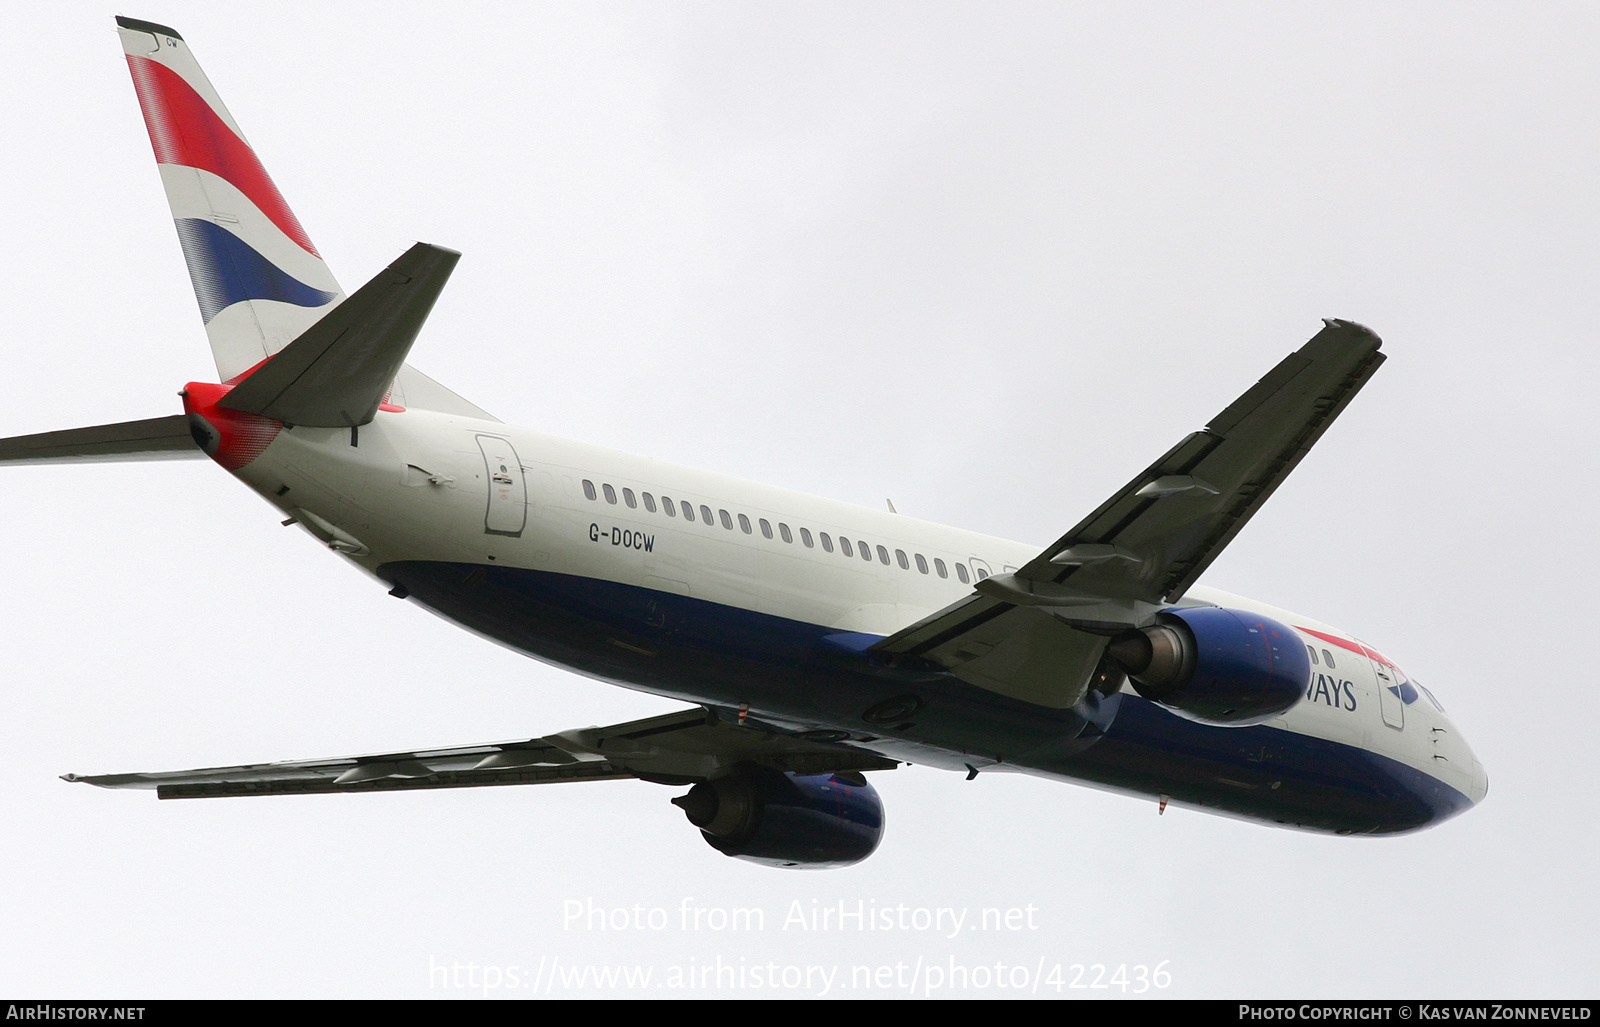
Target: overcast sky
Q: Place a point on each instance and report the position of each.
(987, 260)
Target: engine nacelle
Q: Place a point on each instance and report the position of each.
(787, 820)
(1215, 666)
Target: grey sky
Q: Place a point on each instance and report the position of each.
(987, 260)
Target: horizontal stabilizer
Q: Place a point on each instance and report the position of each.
(337, 373)
(155, 438)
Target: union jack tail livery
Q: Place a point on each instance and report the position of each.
(259, 280)
(262, 287)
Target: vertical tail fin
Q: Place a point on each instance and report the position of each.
(259, 280)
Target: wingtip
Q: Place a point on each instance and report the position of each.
(1353, 326)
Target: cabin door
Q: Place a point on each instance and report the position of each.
(507, 511)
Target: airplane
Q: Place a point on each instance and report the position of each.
(815, 641)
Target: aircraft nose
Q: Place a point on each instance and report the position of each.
(1480, 782)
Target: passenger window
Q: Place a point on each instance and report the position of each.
(900, 558)
(866, 553)
(688, 511)
(938, 565)
(588, 488)
(922, 563)
(649, 501)
(668, 508)
(844, 546)
(627, 497)
(705, 514)
(982, 574)
(1313, 653)
(744, 525)
(961, 572)
(727, 522)
(827, 543)
(766, 528)
(611, 494)
(1327, 656)
(783, 529)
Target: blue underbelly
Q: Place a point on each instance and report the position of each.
(791, 673)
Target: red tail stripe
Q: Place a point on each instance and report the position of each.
(185, 130)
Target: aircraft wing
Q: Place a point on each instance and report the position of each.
(679, 748)
(1038, 633)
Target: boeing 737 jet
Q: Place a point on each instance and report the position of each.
(817, 642)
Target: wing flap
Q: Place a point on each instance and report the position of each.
(1014, 650)
(443, 779)
(678, 748)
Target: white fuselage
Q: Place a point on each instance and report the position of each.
(419, 486)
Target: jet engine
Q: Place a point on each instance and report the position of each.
(787, 820)
(1215, 666)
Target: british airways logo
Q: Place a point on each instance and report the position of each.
(1338, 694)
